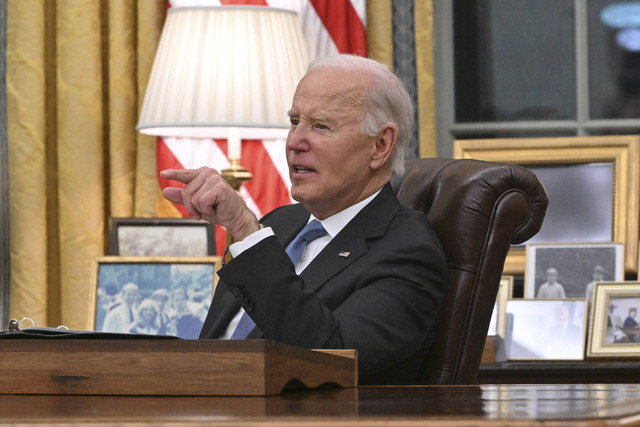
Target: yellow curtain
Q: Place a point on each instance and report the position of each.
(380, 46)
(76, 72)
(423, 24)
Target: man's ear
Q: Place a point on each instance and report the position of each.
(384, 143)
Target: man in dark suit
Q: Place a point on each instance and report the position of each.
(375, 278)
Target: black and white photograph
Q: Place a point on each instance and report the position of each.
(161, 237)
(615, 330)
(153, 296)
(556, 271)
(546, 329)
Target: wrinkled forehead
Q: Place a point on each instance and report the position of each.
(330, 91)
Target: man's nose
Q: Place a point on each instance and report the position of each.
(297, 139)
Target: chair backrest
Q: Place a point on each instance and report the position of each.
(478, 209)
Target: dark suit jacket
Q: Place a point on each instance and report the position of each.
(376, 287)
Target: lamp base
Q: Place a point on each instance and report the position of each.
(235, 174)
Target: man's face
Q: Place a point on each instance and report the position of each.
(179, 301)
(329, 159)
(160, 300)
(130, 296)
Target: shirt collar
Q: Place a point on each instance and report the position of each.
(336, 222)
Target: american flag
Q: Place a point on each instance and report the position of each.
(329, 27)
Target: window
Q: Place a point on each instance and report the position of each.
(526, 68)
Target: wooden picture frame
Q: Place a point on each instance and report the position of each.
(576, 267)
(498, 325)
(567, 157)
(161, 237)
(609, 335)
(180, 288)
(546, 329)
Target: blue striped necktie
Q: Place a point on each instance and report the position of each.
(309, 233)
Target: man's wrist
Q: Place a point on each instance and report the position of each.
(252, 239)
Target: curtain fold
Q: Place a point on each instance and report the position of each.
(76, 71)
(380, 31)
(151, 16)
(26, 132)
(423, 22)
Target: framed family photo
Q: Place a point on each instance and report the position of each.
(499, 316)
(152, 295)
(161, 237)
(593, 185)
(571, 270)
(546, 329)
(615, 330)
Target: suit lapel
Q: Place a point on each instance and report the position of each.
(351, 243)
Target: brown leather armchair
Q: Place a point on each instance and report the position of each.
(478, 209)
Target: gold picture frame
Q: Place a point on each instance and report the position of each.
(156, 279)
(498, 324)
(609, 335)
(622, 151)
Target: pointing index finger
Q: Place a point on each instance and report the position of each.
(181, 175)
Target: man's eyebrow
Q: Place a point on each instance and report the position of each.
(291, 113)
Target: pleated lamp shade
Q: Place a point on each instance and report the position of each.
(222, 68)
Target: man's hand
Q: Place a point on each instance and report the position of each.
(207, 195)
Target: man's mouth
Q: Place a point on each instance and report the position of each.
(302, 169)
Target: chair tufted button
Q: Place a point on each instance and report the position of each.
(236, 291)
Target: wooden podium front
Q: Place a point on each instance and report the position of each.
(167, 367)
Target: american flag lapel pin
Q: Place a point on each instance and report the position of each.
(344, 254)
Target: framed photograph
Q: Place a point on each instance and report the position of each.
(615, 330)
(571, 270)
(161, 237)
(152, 295)
(592, 182)
(498, 323)
(546, 329)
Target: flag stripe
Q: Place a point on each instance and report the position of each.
(344, 25)
(267, 189)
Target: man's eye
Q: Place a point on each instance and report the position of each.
(294, 122)
(321, 126)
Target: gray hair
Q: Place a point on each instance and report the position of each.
(387, 101)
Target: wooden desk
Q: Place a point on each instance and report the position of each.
(521, 405)
(558, 372)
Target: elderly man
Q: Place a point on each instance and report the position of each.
(373, 276)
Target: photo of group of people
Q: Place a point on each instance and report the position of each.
(153, 298)
(622, 323)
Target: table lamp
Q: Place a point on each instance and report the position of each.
(225, 72)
